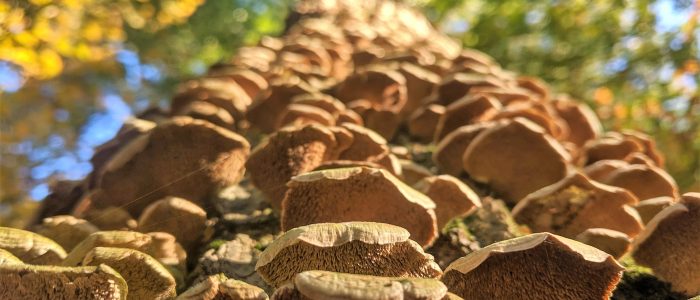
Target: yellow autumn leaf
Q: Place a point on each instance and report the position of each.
(26, 39)
(51, 63)
(92, 31)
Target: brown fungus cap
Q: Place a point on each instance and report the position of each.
(577, 203)
(452, 197)
(449, 151)
(160, 245)
(208, 112)
(669, 245)
(21, 282)
(420, 83)
(644, 181)
(66, 230)
(354, 247)
(320, 285)
(648, 208)
(610, 146)
(218, 287)
(300, 114)
(220, 91)
(179, 217)
(456, 86)
(466, 111)
(267, 108)
(30, 247)
(289, 152)
(366, 145)
(583, 124)
(183, 157)
(609, 241)
(8, 258)
(515, 158)
(536, 266)
(422, 124)
(358, 194)
(145, 276)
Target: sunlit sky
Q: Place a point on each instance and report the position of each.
(102, 125)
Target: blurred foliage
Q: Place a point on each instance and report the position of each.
(71, 55)
(616, 55)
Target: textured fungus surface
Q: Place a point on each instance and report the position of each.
(358, 194)
(537, 266)
(354, 247)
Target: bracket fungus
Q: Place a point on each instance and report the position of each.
(466, 111)
(353, 247)
(644, 181)
(536, 266)
(218, 287)
(358, 194)
(145, 276)
(423, 122)
(30, 247)
(179, 217)
(670, 242)
(290, 152)
(183, 157)
(21, 282)
(515, 158)
(648, 208)
(577, 203)
(448, 152)
(318, 285)
(583, 123)
(65, 230)
(609, 241)
(452, 197)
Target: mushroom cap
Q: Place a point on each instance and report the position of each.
(353, 247)
(532, 266)
(145, 276)
(220, 91)
(449, 151)
(420, 83)
(471, 109)
(452, 197)
(160, 245)
(333, 196)
(644, 181)
(289, 152)
(515, 158)
(458, 85)
(610, 146)
(21, 281)
(412, 172)
(183, 219)
(577, 203)
(331, 285)
(535, 85)
(609, 241)
(299, 114)
(648, 145)
(183, 157)
(648, 208)
(108, 218)
(601, 169)
(30, 247)
(583, 123)
(266, 110)
(423, 122)
(670, 242)
(8, 258)
(206, 111)
(220, 287)
(366, 144)
(66, 230)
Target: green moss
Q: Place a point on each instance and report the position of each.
(215, 244)
(493, 223)
(639, 282)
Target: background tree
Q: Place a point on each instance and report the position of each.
(72, 70)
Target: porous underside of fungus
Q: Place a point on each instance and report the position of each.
(537, 266)
(670, 242)
(145, 276)
(331, 285)
(183, 157)
(289, 152)
(355, 247)
(20, 282)
(179, 217)
(216, 287)
(358, 194)
(30, 247)
(575, 204)
(118, 239)
(452, 197)
(609, 241)
(66, 230)
(515, 159)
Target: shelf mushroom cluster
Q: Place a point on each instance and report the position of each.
(362, 155)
